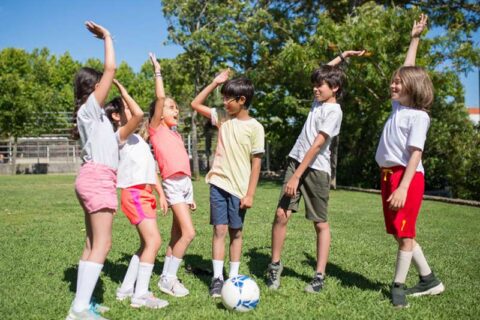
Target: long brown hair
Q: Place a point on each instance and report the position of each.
(417, 86)
(85, 81)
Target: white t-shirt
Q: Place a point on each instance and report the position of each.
(323, 117)
(136, 163)
(405, 127)
(99, 141)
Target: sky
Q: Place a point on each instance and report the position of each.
(138, 27)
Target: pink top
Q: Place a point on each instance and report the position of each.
(172, 158)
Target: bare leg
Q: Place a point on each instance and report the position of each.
(323, 244)
(279, 232)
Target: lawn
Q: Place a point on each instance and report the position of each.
(43, 231)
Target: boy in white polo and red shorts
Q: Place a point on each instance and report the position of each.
(399, 155)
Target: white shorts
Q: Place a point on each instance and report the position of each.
(178, 190)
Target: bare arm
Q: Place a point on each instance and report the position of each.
(197, 103)
(247, 201)
(161, 195)
(398, 197)
(137, 113)
(417, 30)
(101, 91)
(159, 92)
(292, 184)
(344, 55)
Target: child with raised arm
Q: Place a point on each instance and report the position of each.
(137, 177)
(235, 171)
(174, 165)
(308, 171)
(95, 184)
(399, 155)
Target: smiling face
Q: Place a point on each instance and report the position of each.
(233, 105)
(170, 113)
(397, 91)
(323, 92)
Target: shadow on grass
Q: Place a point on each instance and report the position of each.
(70, 275)
(346, 278)
(259, 261)
(199, 267)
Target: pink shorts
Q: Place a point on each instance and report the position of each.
(96, 187)
(401, 223)
(139, 203)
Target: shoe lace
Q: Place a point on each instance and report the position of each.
(273, 274)
(317, 281)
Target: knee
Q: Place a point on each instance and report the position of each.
(102, 247)
(281, 216)
(322, 227)
(220, 231)
(189, 235)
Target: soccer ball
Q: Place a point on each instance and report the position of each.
(240, 293)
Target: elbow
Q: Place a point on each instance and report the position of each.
(110, 67)
(194, 105)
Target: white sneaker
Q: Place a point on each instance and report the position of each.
(87, 314)
(173, 287)
(148, 300)
(122, 295)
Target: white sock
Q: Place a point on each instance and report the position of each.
(143, 278)
(165, 265)
(81, 267)
(90, 274)
(173, 266)
(217, 268)
(403, 264)
(131, 275)
(420, 261)
(234, 267)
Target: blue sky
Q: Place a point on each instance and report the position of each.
(137, 25)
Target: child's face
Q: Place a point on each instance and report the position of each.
(397, 91)
(170, 113)
(233, 105)
(323, 92)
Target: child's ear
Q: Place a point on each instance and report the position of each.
(116, 116)
(242, 100)
(335, 89)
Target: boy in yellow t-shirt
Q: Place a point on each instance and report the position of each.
(234, 174)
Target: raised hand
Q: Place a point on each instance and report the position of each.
(119, 86)
(154, 61)
(419, 26)
(353, 53)
(222, 77)
(97, 30)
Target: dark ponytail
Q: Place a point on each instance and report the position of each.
(85, 81)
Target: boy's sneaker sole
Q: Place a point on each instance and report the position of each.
(432, 291)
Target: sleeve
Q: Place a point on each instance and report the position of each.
(258, 140)
(418, 131)
(330, 125)
(214, 116)
(92, 109)
(218, 116)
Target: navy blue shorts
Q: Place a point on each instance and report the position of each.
(225, 208)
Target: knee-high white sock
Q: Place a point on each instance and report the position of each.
(234, 267)
(420, 261)
(404, 258)
(173, 266)
(217, 268)
(131, 275)
(165, 265)
(90, 274)
(81, 267)
(143, 278)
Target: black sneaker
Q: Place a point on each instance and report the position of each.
(274, 272)
(317, 283)
(428, 285)
(399, 299)
(216, 288)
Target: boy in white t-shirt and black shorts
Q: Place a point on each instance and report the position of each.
(308, 171)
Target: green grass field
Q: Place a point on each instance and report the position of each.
(42, 233)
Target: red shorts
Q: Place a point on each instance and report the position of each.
(138, 203)
(401, 223)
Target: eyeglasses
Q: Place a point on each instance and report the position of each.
(228, 99)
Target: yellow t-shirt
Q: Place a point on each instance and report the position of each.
(238, 140)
